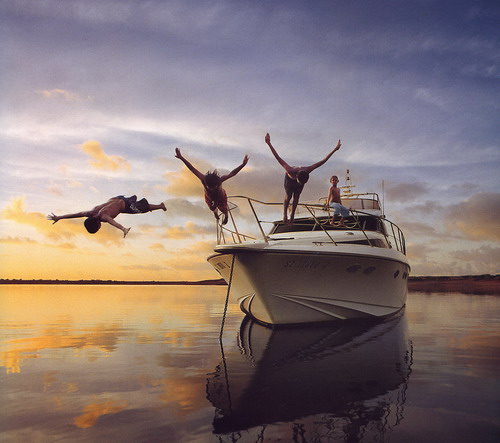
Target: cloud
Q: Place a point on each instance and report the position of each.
(477, 217)
(484, 257)
(55, 189)
(15, 211)
(74, 184)
(426, 208)
(431, 97)
(100, 160)
(413, 229)
(152, 267)
(59, 94)
(192, 258)
(17, 240)
(419, 252)
(189, 229)
(29, 241)
(183, 183)
(404, 192)
(157, 247)
(185, 208)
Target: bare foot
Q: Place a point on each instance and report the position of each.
(126, 232)
(163, 206)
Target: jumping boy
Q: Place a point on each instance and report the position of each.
(109, 210)
(215, 196)
(295, 179)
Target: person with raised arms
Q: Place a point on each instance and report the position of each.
(215, 195)
(295, 179)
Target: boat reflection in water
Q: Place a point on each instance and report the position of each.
(347, 379)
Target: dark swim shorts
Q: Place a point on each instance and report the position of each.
(292, 186)
(133, 206)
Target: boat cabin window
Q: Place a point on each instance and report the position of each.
(378, 243)
(361, 203)
(365, 222)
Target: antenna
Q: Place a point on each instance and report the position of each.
(347, 189)
(383, 197)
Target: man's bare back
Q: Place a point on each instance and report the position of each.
(112, 207)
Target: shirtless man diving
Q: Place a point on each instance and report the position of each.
(108, 211)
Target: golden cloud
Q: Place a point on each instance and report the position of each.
(477, 217)
(183, 184)
(17, 240)
(58, 93)
(101, 160)
(189, 229)
(191, 258)
(188, 209)
(157, 247)
(15, 211)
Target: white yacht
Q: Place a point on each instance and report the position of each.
(313, 270)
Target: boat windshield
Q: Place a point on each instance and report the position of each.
(359, 222)
(361, 203)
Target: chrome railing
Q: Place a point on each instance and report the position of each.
(393, 234)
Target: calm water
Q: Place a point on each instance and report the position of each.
(146, 364)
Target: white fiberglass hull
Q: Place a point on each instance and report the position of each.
(283, 286)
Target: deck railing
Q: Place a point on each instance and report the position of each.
(393, 234)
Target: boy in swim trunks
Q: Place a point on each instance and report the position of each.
(295, 179)
(335, 202)
(109, 210)
(215, 196)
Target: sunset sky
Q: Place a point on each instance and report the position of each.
(97, 94)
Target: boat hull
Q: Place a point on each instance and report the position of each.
(284, 287)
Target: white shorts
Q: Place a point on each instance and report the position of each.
(338, 209)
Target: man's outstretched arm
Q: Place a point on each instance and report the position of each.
(282, 162)
(189, 165)
(106, 218)
(235, 170)
(56, 218)
(322, 162)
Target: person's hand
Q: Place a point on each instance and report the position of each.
(53, 217)
(268, 138)
(338, 145)
(245, 160)
(178, 153)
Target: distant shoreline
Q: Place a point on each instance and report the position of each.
(468, 284)
(108, 282)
